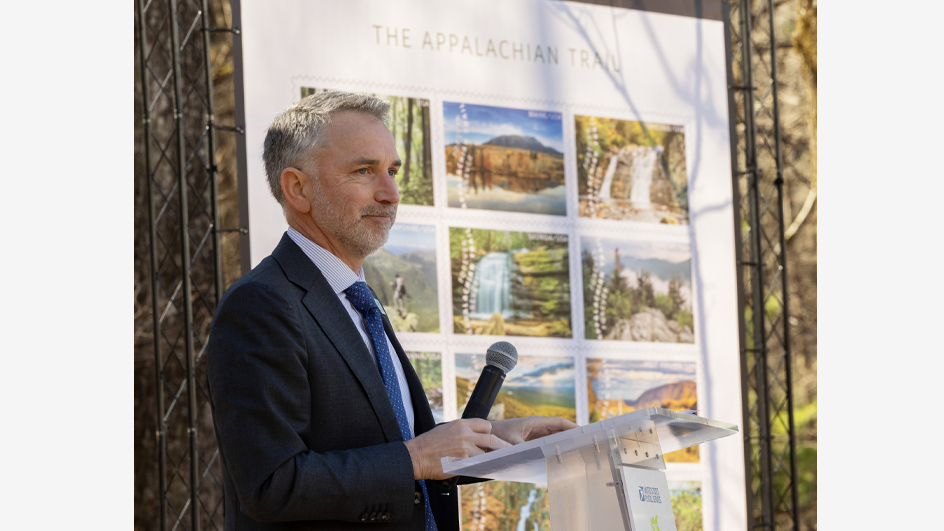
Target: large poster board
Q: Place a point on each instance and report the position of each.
(568, 189)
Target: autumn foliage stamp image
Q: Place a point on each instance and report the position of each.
(616, 386)
(505, 159)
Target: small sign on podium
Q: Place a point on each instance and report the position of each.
(650, 505)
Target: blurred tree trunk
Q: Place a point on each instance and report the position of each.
(796, 30)
(407, 142)
(427, 145)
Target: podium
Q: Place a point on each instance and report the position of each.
(605, 476)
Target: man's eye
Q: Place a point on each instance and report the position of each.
(393, 173)
(362, 171)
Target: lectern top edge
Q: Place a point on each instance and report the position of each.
(675, 430)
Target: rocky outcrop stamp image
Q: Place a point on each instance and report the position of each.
(637, 291)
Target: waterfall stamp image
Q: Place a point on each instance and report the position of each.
(409, 122)
(403, 275)
(538, 385)
(508, 283)
(686, 504)
(629, 170)
(504, 159)
(637, 291)
(428, 366)
(617, 386)
(505, 505)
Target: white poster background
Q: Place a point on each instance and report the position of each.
(594, 61)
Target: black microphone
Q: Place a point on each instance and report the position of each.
(500, 359)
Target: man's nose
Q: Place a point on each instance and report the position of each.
(387, 190)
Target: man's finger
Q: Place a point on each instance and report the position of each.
(478, 425)
(562, 424)
(490, 442)
(544, 426)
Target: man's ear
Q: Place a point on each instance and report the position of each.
(296, 187)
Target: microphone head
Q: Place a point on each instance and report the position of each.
(502, 355)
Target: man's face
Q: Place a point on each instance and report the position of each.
(355, 195)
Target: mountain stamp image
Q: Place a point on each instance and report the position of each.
(403, 275)
(617, 386)
(504, 159)
(629, 170)
(637, 291)
(510, 283)
(410, 124)
(538, 385)
(428, 366)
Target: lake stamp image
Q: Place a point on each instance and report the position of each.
(505, 159)
(409, 122)
(616, 386)
(629, 170)
(510, 283)
(403, 275)
(637, 290)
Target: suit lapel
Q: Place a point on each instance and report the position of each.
(332, 317)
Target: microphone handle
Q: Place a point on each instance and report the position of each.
(480, 403)
(484, 393)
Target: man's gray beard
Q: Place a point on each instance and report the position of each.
(356, 237)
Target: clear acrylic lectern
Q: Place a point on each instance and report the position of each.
(608, 475)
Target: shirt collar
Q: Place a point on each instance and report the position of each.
(336, 272)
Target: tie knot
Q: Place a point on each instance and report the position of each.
(361, 297)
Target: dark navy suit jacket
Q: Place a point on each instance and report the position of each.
(306, 433)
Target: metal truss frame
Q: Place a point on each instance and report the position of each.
(186, 273)
(766, 360)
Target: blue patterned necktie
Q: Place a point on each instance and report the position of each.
(363, 299)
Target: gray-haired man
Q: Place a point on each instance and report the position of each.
(321, 421)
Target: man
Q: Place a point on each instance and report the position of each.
(399, 292)
(321, 421)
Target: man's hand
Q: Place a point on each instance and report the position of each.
(459, 438)
(517, 431)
